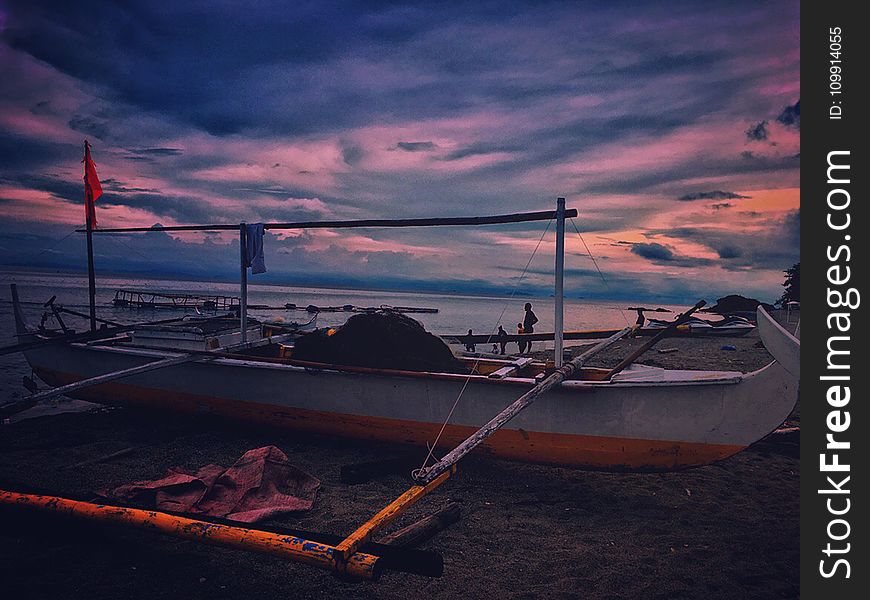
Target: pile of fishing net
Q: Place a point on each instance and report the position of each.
(382, 340)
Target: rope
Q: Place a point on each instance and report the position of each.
(47, 248)
(597, 268)
(477, 362)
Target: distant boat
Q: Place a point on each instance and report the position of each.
(727, 327)
(127, 298)
(409, 309)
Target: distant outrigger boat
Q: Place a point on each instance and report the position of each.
(126, 298)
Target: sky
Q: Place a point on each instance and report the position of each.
(673, 128)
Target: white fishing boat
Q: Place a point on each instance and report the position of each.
(781, 344)
(639, 418)
(628, 418)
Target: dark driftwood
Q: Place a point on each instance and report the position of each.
(417, 533)
(427, 474)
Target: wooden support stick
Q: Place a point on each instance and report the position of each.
(654, 340)
(427, 474)
(387, 515)
(417, 533)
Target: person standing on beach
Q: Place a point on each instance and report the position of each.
(521, 344)
(640, 318)
(502, 339)
(529, 323)
(469, 344)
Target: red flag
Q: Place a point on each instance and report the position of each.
(93, 189)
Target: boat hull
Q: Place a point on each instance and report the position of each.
(784, 347)
(679, 419)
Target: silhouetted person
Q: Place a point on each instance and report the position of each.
(640, 318)
(469, 344)
(521, 343)
(502, 339)
(529, 323)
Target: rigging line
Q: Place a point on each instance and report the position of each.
(120, 241)
(48, 248)
(597, 268)
(491, 333)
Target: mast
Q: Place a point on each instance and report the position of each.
(560, 275)
(243, 300)
(89, 230)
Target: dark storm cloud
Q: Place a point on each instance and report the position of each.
(481, 149)
(757, 132)
(155, 151)
(352, 154)
(416, 146)
(653, 251)
(25, 154)
(60, 188)
(791, 115)
(663, 255)
(777, 248)
(98, 128)
(714, 195)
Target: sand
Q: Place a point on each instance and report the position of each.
(724, 531)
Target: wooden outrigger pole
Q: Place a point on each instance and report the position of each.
(427, 474)
(359, 565)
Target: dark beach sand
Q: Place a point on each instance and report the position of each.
(723, 531)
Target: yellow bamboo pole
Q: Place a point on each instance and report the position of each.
(357, 565)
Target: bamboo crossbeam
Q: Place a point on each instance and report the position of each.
(544, 336)
(188, 356)
(544, 215)
(427, 474)
(351, 544)
(296, 549)
(101, 379)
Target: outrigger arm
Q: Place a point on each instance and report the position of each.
(427, 474)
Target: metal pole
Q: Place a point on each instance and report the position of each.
(560, 274)
(243, 304)
(92, 282)
(89, 230)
